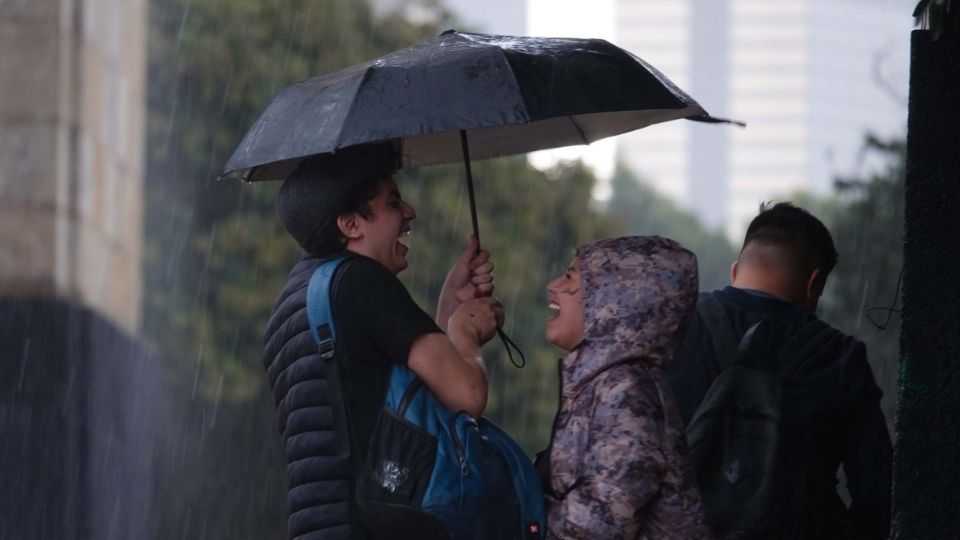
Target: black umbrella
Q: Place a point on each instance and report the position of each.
(506, 95)
(502, 94)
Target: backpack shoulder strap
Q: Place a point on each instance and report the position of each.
(320, 293)
(320, 314)
(808, 341)
(318, 306)
(724, 338)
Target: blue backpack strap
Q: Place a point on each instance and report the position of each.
(526, 482)
(322, 328)
(318, 307)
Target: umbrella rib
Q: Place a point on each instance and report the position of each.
(353, 105)
(516, 86)
(583, 136)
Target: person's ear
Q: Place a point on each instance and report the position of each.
(733, 270)
(349, 226)
(816, 281)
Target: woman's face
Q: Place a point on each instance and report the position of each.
(565, 328)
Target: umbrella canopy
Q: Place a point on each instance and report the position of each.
(510, 94)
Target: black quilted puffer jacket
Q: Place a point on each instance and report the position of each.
(318, 481)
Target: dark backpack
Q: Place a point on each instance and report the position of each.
(428, 469)
(734, 435)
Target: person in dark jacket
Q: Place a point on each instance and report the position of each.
(830, 411)
(348, 204)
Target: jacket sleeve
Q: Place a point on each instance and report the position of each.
(868, 458)
(622, 467)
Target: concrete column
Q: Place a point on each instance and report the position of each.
(71, 151)
(79, 407)
(927, 453)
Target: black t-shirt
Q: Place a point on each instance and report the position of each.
(376, 322)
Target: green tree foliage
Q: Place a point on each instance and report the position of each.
(643, 211)
(866, 220)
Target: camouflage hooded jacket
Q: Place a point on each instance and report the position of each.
(618, 465)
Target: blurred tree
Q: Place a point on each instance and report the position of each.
(866, 220)
(643, 211)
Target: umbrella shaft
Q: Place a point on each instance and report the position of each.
(507, 342)
(473, 200)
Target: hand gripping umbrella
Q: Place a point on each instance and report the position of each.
(460, 95)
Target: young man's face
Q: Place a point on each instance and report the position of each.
(379, 236)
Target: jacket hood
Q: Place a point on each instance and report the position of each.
(637, 294)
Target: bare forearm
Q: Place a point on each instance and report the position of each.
(455, 374)
(450, 364)
(446, 305)
(469, 350)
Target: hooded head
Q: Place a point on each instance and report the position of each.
(637, 294)
(325, 186)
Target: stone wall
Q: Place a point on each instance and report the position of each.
(72, 101)
(79, 395)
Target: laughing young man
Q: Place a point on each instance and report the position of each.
(348, 204)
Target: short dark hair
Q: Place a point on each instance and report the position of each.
(796, 229)
(329, 239)
(324, 186)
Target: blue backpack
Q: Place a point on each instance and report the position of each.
(440, 473)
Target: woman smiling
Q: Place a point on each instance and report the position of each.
(617, 465)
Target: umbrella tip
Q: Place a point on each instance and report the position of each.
(710, 119)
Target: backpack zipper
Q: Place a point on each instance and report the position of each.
(457, 445)
(408, 395)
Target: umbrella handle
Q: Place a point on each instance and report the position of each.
(507, 342)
